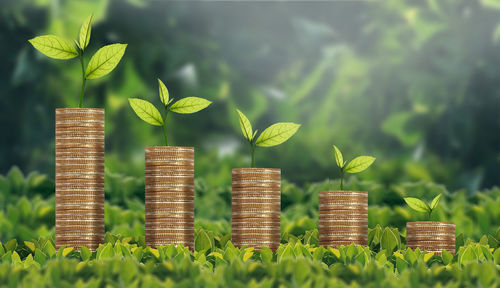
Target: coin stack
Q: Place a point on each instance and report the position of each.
(79, 177)
(431, 236)
(169, 200)
(256, 207)
(343, 218)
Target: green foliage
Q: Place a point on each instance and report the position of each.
(420, 206)
(273, 135)
(148, 112)
(101, 63)
(128, 261)
(358, 164)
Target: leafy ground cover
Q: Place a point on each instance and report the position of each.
(123, 260)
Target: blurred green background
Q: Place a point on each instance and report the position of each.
(414, 83)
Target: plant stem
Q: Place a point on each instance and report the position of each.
(84, 80)
(253, 154)
(165, 126)
(430, 211)
(341, 180)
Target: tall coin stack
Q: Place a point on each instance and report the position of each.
(431, 236)
(79, 177)
(343, 218)
(169, 202)
(256, 207)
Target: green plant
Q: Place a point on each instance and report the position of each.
(420, 206)
(271, 136)
(358, 164)
(148, 112)
(101, 63)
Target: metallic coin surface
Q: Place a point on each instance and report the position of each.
(79, 177)
(169, 197)
(256, 207)
(431, 236)
(343, 218)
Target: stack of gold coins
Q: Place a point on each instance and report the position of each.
(256, 207)
(79, 177)
(431, 236)
(343, 218)
(169, 202)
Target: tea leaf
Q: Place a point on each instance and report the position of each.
(163, 92)
(85, 253)
(105, 60)
(245, 125)
(277, 134)
(54, 47)
(85, 33)
(417, 204)
(447, 257)
(266, 255)
(40, 257)
(359, 164)
(66, 251)
(435, 202)
(146, 111)
(30, 245)
(388, 241)
(189, 105)
(338, 157)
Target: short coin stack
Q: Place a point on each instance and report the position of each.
(79, 177)
(169, 202)
(256, 207)
(343, 218)
(431, 236)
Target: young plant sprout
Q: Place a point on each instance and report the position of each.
(420, 206)
(101, 63)
(272, 136)
(148, 112)
(358, 164)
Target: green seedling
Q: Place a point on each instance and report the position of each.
(272, 136)
(358, 164)
(101, 63)
(148, 112)
(420, 206)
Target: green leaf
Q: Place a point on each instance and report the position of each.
(287, 252)
(15, 258)
(40, 257)
(389, 241)
(492, 242)
(54, 47)
(30, 245)
(203, 241)
(189, 105)
(435, 202)
(277, 134)
(163, 92)
(146, 111)
(266, 254)
(49, 249)
(11, 245)
(66, 251)
(467, 255)
(106, 252)
(85, 253)
(447, 257)
(245, 125)
(496, 256)
(417, 204)
(401, 265)
(359, 164)
(85, 33)
(105, 60)
(338, 157)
